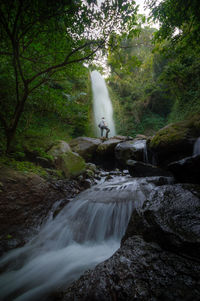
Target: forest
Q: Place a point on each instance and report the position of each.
(48, 51)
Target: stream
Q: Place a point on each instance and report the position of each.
(87, 231)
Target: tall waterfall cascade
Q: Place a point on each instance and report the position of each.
(102, 105)
(87, 231)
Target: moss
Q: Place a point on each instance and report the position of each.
(23, 166)
(176, 132)
(71, 164)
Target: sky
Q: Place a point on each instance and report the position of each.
(141, 7)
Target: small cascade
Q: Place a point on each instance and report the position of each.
(196, 149)
(145, 153)
(85, 232)
(102, 105)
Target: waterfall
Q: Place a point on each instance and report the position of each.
(102, 106)
(196, 150)
(86, 232)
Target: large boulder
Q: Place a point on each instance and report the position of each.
(170, 217)
(186, 170)
(105, 153)
(130, 150)
(175, 141)
(71, 164)
(85, 147)
(141, 169)
(59, 148)
(139, 271)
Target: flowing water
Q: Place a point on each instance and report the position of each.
(102, 106)
(196, 150)
(85, 232)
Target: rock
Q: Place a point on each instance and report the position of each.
(141, 137)
(44, 162)
(171, 218)
(91, 166)
(105, 154)
(25, 200)
(159, 255)
(175, 141)
(85, 147)
(139, 271)
(61, 147)
(107, 147)
(71, 164)
(140, 169)
(130, 150)
(186, 170)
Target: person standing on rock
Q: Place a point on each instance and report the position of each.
(103, 126)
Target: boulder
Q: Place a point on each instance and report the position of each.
(170, 217)
(186, 170)
(130, 150)
(107, 147)
(141, 169)
(71, 164)
(139, 271)
(59, 148)
(175, 141)
(105, 153)
(85, 147)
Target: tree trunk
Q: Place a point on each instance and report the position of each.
(11, 131)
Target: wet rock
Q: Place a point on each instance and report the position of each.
(140, 169)
(85, 147)
(130, 150)
(107, 147)
(175, 141)
(105, 154)
(159, 255)
(186, 170)
(170, 217)
(139, 271)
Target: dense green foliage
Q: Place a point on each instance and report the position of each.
(44, 45)
(155, 77)
(45, 92)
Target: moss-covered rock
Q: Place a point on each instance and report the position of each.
(175, 141)
(60, 147)
(71, 164)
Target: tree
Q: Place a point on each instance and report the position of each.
(40, 38)
(179, 19)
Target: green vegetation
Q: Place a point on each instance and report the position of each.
(45, 92)
(23, 166)
(155, 75)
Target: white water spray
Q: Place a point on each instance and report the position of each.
(102, 106)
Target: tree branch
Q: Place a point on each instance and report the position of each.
(65, 62)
